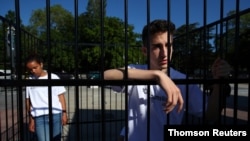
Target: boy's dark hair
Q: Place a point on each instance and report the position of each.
(156, 26)
(34, 57)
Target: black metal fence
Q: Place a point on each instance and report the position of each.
(96, 112)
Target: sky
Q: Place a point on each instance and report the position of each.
(137, 9)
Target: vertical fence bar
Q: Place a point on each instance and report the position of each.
(221, 49)
(6, 116)
(169, 48)
(48, 45)
(103, 119)
(237, 32)
(18, 66)
(204, 44)
(126, 64)
(77, 113)
(149, 67)
(187, 47)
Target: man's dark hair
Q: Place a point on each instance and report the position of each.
(34, 57)
(156, 26)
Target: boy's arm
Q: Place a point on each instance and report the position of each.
(172, 91)
(31, 119)
(64, 112)
(28, 106)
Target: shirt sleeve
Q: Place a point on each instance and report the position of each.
(27, 92)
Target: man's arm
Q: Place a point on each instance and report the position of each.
(219, 92)
(172, 91)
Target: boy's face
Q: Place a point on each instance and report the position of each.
(159, 47)
(35, 68)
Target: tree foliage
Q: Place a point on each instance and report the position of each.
(237, 45)
(203, 45)
(92, 38)
(94, 8)
(61, 30)
(190, 45)
(99, 42)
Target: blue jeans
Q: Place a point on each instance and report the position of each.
(42, 127)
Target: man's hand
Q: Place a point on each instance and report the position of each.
(220, 68)
(217, 100)
(172, 91)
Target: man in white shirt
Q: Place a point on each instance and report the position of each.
(167, 97)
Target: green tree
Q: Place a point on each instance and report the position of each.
(114, 40)
(61, 31)
(89, 52)
(237, 45)
(190, 45)
(94, 8)
(11, 16)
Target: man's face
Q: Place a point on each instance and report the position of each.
(159, 47)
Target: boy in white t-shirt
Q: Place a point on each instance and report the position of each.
(37, 102)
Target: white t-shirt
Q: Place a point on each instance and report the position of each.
(137, 107)
(38, 96)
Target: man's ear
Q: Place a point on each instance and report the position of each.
(144, 50)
